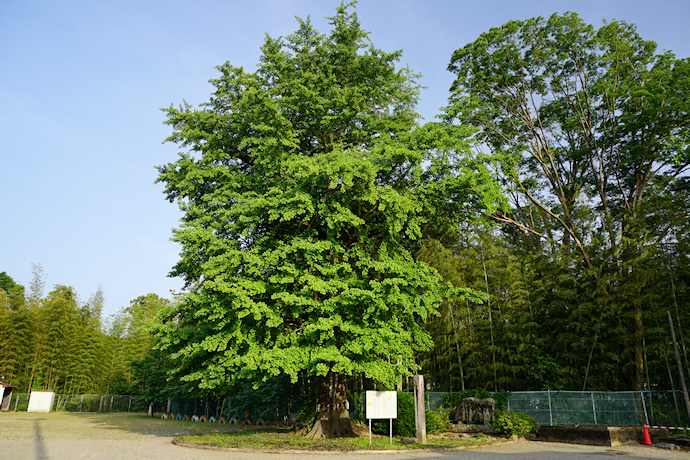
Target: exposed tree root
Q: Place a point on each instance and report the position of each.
(337, 427)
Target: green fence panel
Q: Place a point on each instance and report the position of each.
(620, 408)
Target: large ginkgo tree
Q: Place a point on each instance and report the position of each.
(306, 187)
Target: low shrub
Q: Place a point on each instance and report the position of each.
(438, 421)
(514, 423)
(404, 425)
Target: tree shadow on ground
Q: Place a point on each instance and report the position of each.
(154, 426)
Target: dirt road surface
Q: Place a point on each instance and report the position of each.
(68, 436)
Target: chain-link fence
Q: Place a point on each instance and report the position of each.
(546, 407)
(100, 403)
(621, 408)
(235, 410)
(19, 401)
(86, 403)
(434, 399)
(239, 409)
(666, 408)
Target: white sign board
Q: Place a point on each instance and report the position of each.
(382, 404)
(41, 401)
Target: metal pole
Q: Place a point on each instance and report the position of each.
(594, 407)
(644, 407)
(548, 392)
(680, 366)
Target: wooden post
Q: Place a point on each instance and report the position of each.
(400, 382)
(680, 366)
(419, 413)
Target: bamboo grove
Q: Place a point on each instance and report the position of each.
(58, 342)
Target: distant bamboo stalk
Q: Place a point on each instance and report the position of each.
(680, 366)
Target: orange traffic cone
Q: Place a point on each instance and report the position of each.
(647, 440)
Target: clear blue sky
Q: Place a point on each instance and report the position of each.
(82, 84)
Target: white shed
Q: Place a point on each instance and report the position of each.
(41, 401)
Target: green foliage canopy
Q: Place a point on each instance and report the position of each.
(581, 119)
(305, 186)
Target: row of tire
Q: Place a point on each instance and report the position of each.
(196, 418)
(204, 419)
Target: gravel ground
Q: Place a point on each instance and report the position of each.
(127, 436)
(96, 436)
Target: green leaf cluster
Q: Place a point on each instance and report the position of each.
(514, 423)
(437, 421)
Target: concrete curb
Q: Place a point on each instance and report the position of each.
(177, 442)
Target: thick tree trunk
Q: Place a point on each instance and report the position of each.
(333, 418)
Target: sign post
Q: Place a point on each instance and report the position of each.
(382, 405)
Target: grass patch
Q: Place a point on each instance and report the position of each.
(254, 439)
